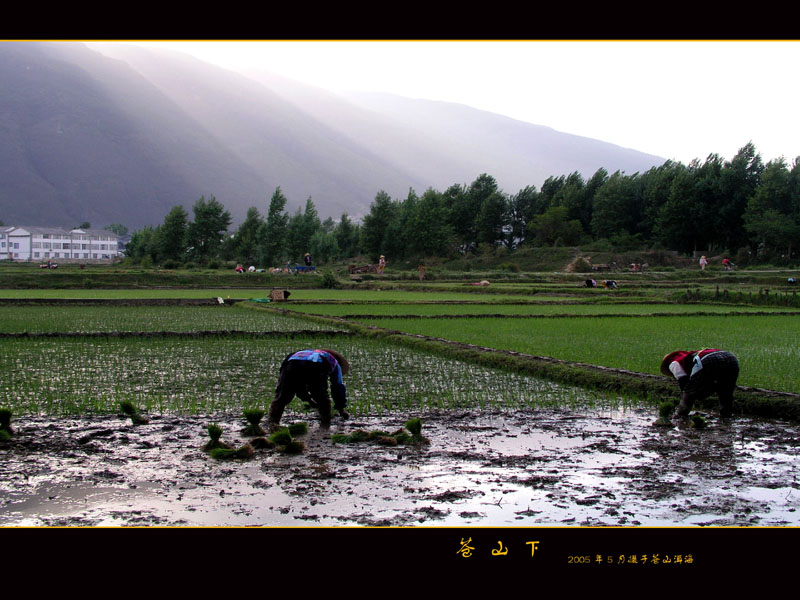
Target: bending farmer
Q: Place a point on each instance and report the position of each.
(701, 373)
(305, 374)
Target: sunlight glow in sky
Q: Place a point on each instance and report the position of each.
(678, 100)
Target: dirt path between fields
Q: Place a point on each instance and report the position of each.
(557, 468)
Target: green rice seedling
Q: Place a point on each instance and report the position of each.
(385, 440)
(402, 437)
(5, 421)
(340, 438)
(359, 435)
(244, 452)
(254, 416)
(665, 411)
(414, 426)
(293, 447)
(131, 411)
(215, 432)
(698, 421)
(261, 442)
(281, 437)
(298, 428)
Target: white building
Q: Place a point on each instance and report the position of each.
(48, 243)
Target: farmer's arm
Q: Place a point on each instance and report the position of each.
(677, 370)
(338, 391)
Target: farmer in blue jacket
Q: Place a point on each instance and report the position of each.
(305, 374)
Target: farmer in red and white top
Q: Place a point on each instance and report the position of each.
(701, 373)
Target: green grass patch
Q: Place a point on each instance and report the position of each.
(532, 309)
(99, 319)
(766, 346)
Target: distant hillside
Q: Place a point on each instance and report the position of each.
(125, 135)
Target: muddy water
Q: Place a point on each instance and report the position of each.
(525, 468)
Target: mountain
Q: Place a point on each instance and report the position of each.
(115, 133)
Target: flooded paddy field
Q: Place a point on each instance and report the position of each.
(525, 467)
(504, 449)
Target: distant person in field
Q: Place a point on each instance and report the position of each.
(307, 259)
(305, 374)
(701, 373)
(382, 264)
(421, 270)
(703, 263)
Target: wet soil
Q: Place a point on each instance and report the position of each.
(543, 468)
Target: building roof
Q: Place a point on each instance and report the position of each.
(35, 230)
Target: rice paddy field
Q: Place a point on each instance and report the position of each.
(504, 446)
(105, 318)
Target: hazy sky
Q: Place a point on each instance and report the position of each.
(679, 100)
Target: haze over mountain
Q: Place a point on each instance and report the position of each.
(112, 133)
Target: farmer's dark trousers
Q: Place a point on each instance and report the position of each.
(304, 379)
(719, 374)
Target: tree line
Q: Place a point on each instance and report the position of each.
(713, 206)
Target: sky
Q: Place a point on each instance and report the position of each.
(680, 100)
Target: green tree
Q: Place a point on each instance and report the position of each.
(117, 228)
(144, 245)
(554, 225)
(429, 226)
(301, 228)
(398, 237)
(739, 180)
(520, 210)
(347, 235)
(463, 210)
(487, 207)
(323, 247)
(272, 236)
(172, 238)
(295, 244)
(617, 207)
(381, 213)
(205, 233)
(773, 212)
(245, 242)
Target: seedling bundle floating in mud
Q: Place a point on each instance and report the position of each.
(223, 450)
(215, 433)
(283, 438)
(410, 435)
(131, 411)
(665, 411)
(5, 424)
(246, 451)
(253, 416)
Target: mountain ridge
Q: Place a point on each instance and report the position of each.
(119, 133)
